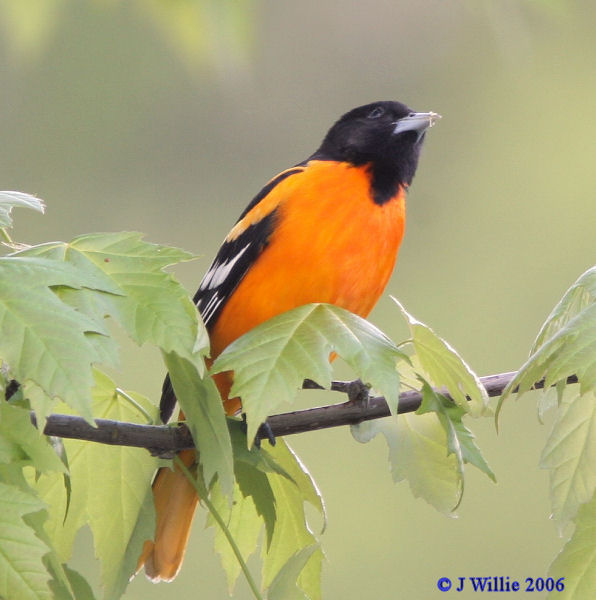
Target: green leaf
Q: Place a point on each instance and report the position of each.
(243, 522)
(292, 532)
(253, 502)
(576, 564)
(578, 297)
(105, 476)
(40, 402)
(295, 471)
(566, 344)
(570, 455)
(365, 431)
(284, 585)
(148, 302)
(548, 400)
(14, 475)
(271, 361)
(572, 350)
(120, 567)
(445, 367)
(204, 413)
(255, 483)
(59, 583)
(81, 590)
(460, 440)
(251, 468)
(259, 458)
(21, 443)
(23, 574)
(417, 453)
(9, 200)
(43, 339)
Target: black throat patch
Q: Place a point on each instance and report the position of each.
(384, 184)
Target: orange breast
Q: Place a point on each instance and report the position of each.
(331, 243)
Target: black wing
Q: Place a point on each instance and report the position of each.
(236, 256)
(228, 269)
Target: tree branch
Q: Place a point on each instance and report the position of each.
(164, 438)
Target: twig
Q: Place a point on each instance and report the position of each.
(164, 438)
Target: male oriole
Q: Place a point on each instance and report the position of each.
(326, 230)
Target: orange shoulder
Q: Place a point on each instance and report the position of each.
(266, 201)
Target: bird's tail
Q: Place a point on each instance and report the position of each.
(175, 499)
(175, 502)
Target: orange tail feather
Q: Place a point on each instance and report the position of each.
(175, 503)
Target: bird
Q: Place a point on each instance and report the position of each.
(325, 230)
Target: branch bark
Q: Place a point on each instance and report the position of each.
(164, 438)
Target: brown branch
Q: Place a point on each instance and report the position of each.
(163, 438)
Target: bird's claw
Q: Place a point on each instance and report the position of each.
(264, 432)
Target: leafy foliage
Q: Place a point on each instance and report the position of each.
(204, 413)
(54, 299)
(54, 353)
(10, 200)
(570, 455)
(284, 586)
(430, 449)
(28, 561)
(577, 561)
(292, 533)
(566, 345)
(133, 289)
(271, 488)
(417, 454)
(21, 551)
(21, 444)
(116, 477)
(76, 587)
(271, 361)
(460, 440)
(253, 502)
(444, 366)
(576, 299)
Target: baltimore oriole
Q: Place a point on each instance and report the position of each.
(326, 230)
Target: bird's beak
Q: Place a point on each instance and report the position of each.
(418, 122)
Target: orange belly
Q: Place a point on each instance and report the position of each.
(342, 252)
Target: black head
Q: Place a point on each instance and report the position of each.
(386, 135)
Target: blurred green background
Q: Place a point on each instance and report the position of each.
(168, 116)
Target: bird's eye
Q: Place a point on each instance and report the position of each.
(376, 112)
